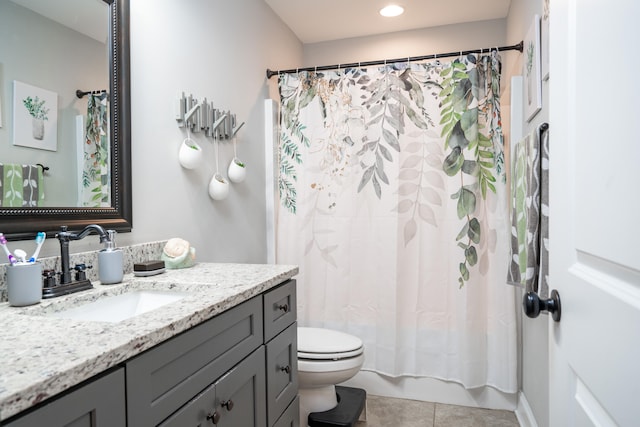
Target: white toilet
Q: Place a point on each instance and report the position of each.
(325, 358)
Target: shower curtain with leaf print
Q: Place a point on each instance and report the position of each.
(96, 191)
(393, 205)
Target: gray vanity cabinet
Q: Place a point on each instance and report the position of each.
(291, 416)
(98, 403)
(279, 309)
(280, 332)
(163, 379)
(238, 369)
(236, 399)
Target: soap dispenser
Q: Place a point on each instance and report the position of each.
(110, 261)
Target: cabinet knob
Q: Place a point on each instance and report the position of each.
(284, 307)
(228, 404)
(286, 369)
(214, 418)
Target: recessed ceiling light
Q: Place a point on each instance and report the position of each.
(391, 10)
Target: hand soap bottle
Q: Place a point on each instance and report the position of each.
(110, 261)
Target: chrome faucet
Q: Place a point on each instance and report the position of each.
(65, 237)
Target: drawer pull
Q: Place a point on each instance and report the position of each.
(228, 404)
(214, 418)
(284, 307)
(286, 369)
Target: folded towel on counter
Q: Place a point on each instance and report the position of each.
(21, 185)
(525, 213)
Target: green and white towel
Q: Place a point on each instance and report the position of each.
(528, 264)
(543, 280)
(21, 185)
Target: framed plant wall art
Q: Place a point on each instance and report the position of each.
(544, 39)
(531, 72)
(35, 117)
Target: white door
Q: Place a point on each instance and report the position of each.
(595, 212)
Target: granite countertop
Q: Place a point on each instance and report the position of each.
(41, 356)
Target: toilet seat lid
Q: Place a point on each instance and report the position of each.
(320, 343)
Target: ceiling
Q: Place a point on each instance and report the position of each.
(89, 17)
(316, 21)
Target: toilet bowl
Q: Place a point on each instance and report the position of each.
(325, 358)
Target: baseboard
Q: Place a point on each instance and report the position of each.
(433, 390)
(524, 414)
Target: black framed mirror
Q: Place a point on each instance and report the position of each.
(24, 222)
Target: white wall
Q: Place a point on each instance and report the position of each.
(534, 334)
(214, 49)
(42, 53)
(219, 50)
(449, 38)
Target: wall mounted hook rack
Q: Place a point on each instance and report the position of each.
(218, 122)
(236, 129)
(203, 117)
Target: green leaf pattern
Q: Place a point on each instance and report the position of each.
(470, 105)
(21, 185)
(408, 132)
(95, 172)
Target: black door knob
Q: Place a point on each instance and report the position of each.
(533, 305)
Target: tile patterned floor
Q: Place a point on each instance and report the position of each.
(391, 412)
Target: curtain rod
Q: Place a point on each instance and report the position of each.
(81, 93)
(518, 47)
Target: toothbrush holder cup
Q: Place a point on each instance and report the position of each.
(24, 284)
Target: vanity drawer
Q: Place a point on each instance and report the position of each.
(167, 376)
(235, 400)
(282, 372)
(290, 417)
(279, 309)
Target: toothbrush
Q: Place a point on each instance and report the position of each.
(39, 241)
(3, 243)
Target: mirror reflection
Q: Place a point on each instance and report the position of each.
(48, 51)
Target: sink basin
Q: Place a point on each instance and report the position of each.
(120, 307)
